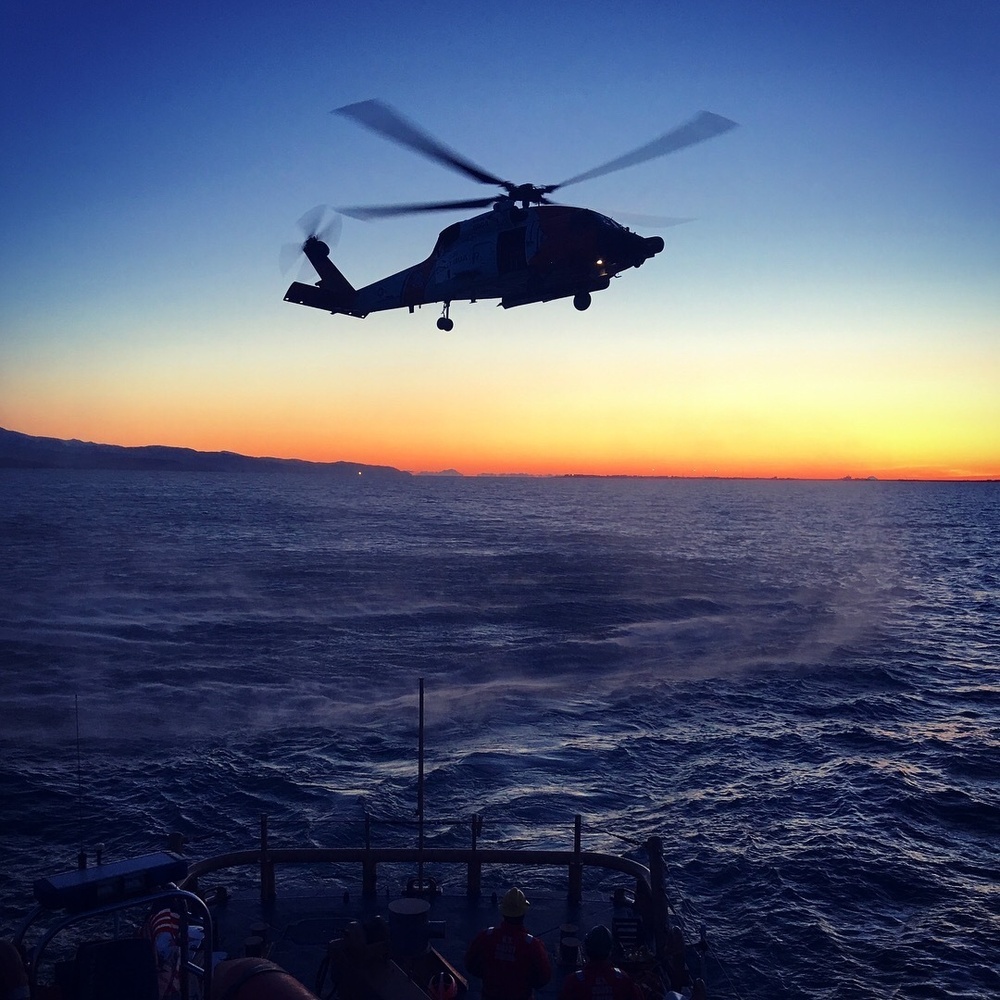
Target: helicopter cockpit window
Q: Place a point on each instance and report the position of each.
(447, 237)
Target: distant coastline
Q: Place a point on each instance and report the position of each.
(26, 451)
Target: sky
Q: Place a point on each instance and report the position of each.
(832, 310)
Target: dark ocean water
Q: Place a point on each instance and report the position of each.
(796, 684)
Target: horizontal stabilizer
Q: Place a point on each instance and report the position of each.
(320, 297)
(312, 295)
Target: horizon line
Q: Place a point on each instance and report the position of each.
(456, 474)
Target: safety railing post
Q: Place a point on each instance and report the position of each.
(369, 876)
(474, 881)
(268, 890)
(575, 893)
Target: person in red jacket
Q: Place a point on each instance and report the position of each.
(511, 962)
(599, 979)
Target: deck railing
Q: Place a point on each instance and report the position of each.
(648, 880)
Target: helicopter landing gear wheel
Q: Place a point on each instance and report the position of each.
(581, 300)
(445, 322)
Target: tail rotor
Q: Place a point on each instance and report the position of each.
(320, 225)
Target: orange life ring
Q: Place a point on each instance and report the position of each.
(13, 977)
(256, 979)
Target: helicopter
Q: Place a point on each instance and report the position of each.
(525, 248)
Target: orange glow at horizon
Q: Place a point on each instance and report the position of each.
(758, 408)
(831, 310)
(713, 441)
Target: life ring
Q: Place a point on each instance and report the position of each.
(13, 976)
(256, 979)
(163, 928)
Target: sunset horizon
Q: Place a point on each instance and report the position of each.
(831, 471)
(830, 307)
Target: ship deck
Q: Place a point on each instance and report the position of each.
(297, 929)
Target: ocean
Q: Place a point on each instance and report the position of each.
(795, 684)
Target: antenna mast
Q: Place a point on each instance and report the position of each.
(81, 858)
(420, 789)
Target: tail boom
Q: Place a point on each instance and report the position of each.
(333, 292)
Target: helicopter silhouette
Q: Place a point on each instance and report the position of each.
(526, 248)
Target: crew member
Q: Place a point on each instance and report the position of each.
(511, 962)
(599, 979)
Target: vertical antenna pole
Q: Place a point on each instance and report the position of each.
(81, 858)
(420, 789)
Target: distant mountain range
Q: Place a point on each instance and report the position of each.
(23, 451)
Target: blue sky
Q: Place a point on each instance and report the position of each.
(157, 158)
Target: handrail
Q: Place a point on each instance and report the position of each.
(176, 894)
(409, 855)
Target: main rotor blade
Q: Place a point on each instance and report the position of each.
(386, 211)
(384, 120)
(705, 125)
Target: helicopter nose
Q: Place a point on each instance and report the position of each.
(645, 247)
(654, 244)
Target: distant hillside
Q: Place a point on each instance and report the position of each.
(23, 451)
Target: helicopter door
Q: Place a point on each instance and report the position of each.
(510, 251)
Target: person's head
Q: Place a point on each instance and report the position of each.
(597, 944)
(514, 905)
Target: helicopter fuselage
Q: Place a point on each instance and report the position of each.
(527, 248)
(511, 253)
